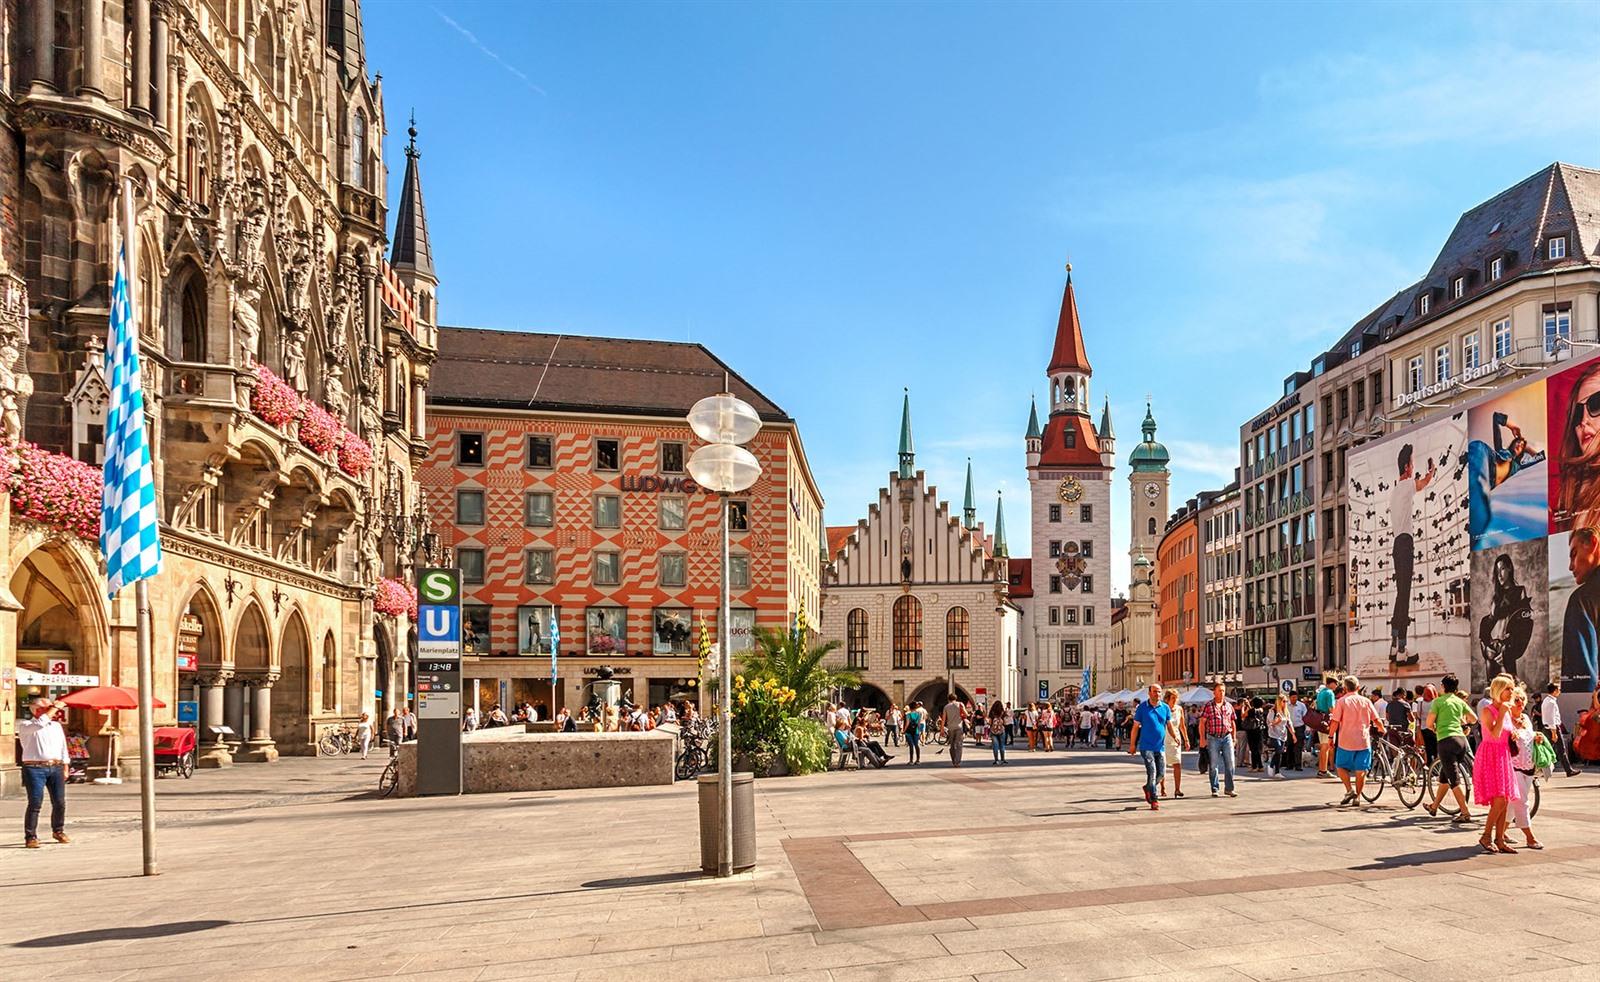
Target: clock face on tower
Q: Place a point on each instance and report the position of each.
(1070, 490)
(1152, 490)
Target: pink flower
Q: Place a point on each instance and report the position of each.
(59, 491)
(395, 597)
(355, 455)
(274, 400)
(319, 430)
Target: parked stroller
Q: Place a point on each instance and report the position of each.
(175, 750)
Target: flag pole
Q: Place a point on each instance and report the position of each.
(141, 590)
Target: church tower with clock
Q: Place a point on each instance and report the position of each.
(1070, 463)
(1148, 479)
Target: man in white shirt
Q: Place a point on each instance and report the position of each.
(1401, 502)
(1297, 730)
(1550, 724)
(44, 768)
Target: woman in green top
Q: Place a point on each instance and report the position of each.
(1447, 719)
(916, 717)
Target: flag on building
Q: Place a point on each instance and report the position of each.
(130, 534)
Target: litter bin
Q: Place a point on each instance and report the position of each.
(744, 822)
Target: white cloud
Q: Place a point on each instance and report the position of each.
(1490, 93)
(1215, 460)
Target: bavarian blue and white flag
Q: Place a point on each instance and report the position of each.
(130, 534)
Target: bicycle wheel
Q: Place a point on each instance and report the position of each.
(1377, 776)
(1410, 779)
(328, 745)
(939, 737)
(389, 780)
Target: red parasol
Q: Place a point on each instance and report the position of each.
(106, 697)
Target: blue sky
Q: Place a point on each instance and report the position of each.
(844, 199)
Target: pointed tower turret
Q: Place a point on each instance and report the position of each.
(1149, 455)
(1069, 361)
(1000, 550)
(412, 252)
(1108, 439)
(908, 455)
(345, 37)
(969, 506)
(1035, 436)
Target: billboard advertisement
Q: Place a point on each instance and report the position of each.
(1475, 541)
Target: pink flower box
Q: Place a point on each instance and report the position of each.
(395, 597)
(275, 400)
(319, 430)
(355, 455)
(59, 491)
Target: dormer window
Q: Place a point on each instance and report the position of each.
(1497, 267)
(1556, 247)
(1458, 289)
(1355, 349)
(1424, 303)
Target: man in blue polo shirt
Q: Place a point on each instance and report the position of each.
(1149, 741)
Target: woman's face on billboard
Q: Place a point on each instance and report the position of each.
(1587, 423)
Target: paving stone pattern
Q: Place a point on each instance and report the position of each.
(1047, 869)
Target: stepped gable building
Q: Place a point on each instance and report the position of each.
(283, 358)
(1069, 464)
(1515, 288)
(917, 597)
(557, 468)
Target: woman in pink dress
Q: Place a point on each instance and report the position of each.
(1494, 783)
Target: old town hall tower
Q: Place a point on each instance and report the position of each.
(1069, 478)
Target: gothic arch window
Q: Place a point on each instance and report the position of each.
(266, 55)
(330, 675)
(191, 333)
(358, 149)
(908, 632)
(957, 638)
(856, 639)
(1152, 526)
(1071, 393)
(197, 145)
(148, 323)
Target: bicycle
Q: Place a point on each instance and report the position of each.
(695, 757)
(389, 780)
(337, 741)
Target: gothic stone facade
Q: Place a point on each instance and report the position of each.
(251, 136)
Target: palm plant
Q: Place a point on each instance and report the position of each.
(789, 659)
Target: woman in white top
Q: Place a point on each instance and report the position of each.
(364, 734)
(1047, 726)
(1277, 736)
(1177, 743)
(1522, 731)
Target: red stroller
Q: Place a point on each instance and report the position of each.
(175, 750)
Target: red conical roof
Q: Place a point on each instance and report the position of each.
(1070, 354)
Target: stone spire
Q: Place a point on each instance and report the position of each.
(969, 508)
(908, 456)
(345, 37)
(1000, 550)
(1106, 435)
(412, 252)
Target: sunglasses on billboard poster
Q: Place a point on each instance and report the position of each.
(1586, 407)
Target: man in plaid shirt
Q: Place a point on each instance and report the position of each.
(1218, 727)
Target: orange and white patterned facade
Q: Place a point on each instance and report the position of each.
(592, 518)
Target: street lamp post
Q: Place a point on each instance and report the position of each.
(723, 465)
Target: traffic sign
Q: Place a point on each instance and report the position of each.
(188, 711)
(437, 623)
(1044, 689)
(1287, 685)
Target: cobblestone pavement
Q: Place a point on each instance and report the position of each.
(1047, 869)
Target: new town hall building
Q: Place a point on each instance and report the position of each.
(284, 358)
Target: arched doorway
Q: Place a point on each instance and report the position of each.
(867, 696)
(292, 697)
(199, 658)
(61, 630)
(934, 695)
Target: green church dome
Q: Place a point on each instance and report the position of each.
(1149, 455)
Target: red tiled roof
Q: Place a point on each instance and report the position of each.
(838, 535)
(1085, 451)
(1020, 573)
(1070, 354)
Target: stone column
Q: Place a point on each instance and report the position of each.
(213, 688)
(260, 748)
(44, 44)
(233, 711)
(140, 103)
(158, 66)
(94, 25)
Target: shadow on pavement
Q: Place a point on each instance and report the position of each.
(121, 934)
(1451, 855)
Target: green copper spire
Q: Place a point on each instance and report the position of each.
(1033, 420)
(1105, 422)
(1149, 426)
(969, 508)
(1149, 455)
(908, 455)
(1000, 525)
